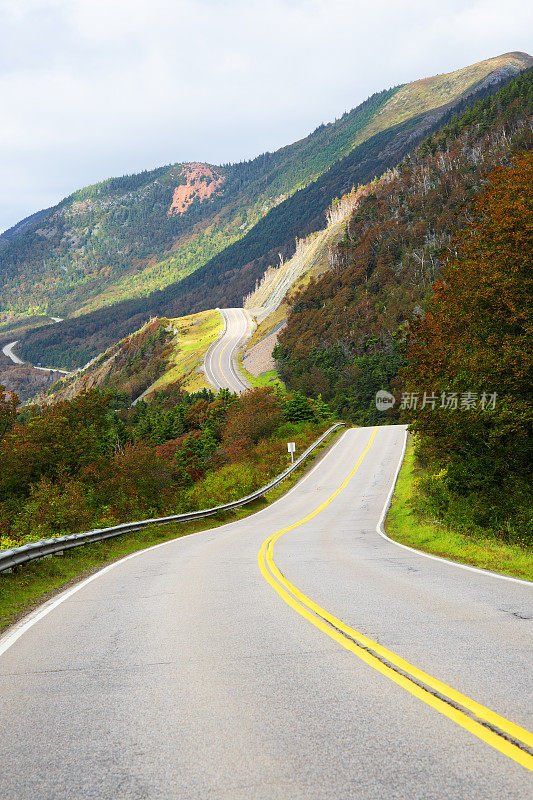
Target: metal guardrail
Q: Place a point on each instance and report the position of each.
(48, 547)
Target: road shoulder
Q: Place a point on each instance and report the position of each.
(404, 525)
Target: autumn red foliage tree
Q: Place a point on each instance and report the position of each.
(51, 441)
(476, 337)
(255, 417)
(85, 461)
(343, 333)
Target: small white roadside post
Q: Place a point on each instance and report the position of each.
(291, 447)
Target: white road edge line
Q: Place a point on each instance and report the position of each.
(7, 350)
(14, 633)
(234, 360)
(381, 531)
(208, 354)
(239, 339)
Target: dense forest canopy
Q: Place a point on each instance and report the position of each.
(345, 330)
(96, 460)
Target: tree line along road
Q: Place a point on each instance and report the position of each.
(297, 653)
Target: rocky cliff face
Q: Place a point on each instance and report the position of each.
(201, 183)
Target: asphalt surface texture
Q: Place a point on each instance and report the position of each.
(180, 672)
(220, 364)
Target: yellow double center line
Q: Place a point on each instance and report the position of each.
(510, 739)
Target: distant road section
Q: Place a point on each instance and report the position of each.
(220, 364)
(7, 350)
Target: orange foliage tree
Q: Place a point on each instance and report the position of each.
(256, 416)
(476, 337)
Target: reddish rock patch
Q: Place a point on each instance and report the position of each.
(202, 183)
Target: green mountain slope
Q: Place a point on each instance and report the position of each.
(126, 236)
(344, 331)
(162, 353)
(118, 240)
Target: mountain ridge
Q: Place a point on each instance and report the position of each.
(344, 334)
(456, 158)
(214, 236)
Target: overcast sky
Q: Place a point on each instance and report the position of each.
(95, 88)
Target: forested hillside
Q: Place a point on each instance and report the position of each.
(118, 239)
(470, 357)
(127, 236)
(95, 461)
(127, 368)
(162, 353)
(343, 338)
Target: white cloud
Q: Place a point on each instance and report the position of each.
(91, 88)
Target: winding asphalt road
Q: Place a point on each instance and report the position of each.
(220, 363)
(201, 669)
(7, 350)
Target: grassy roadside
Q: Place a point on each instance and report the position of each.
(32, 584)
(196, 333)
(266, 327)
(407, 527)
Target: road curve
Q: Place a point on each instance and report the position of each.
(180, 672)
(220, 363)
(7, 350)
